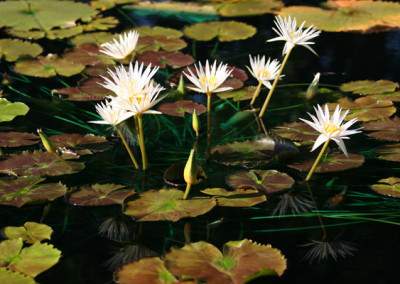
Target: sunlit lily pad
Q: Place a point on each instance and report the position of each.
(17, 139)
(237, 198)
(96, 38)
(167, 204)
(30, 233)
(13, 49)
(224, 31)
(100, 194)
(157, 42)
(365, 108)
(87, 90)
(249, 8)
(298, 131)
(81, 144)
(367, 87)
(9, 110)
(22, 190)
(87, 54)
(270, 181)
(48, 66)
(31, 260)
(387, 129)
(64, 33)
(145, 31)
(108, 4)
(242, 94)
(252, 153)
(38, 163)
(101, 23)
(331, 163)
(11, 277)
(174, 174)
(240, 261)
(388, 187)
(389, 152)
(179, 108)
(163, 58)
(146, 270)
(26, 34)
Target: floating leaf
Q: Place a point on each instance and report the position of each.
(298, 131)
(242, 94)
(388, 187)
(22, 190)
(163, 58)
(96, 38)
(387, 129)
(270, 181)
(145, 31)
(224, 31)
(249, 8)
(240, 261)
(237, 198)
(87, 90)
(101, 23)
(30, 233)
(87, 54)
(11, 277)
(174, 174)
(9, 110)
(146, 270)
(64, 33)
(48, 66)
(157, 42)
(389, 152)
(167, 204)
(38, 163)
(180, 107)
(108, 4)
(81, 144)
(100, 194)
(13, 49)
(26, 34)
(393, 96)
(17, 139)
(367, 87)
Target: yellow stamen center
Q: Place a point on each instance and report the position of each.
(263, 73)
(331, 128)
(211, 81)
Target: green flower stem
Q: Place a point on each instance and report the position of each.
(264, 107)
(208, 125)
(256, 93)
(127, 147)
(188, 187)
(318, 159)
(145, 163)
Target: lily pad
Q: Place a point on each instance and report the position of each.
(157, 42)
(387, 129)
(248, 8)
(163, 58)
(167, 204)
(87, 90)
(101, 23)
(48, 66)
(174, 174)
(180, 107)
(237, 198)
(389, 152)
(145, 31)
(38, 163)
(224, 31)
(368, 87)
(11, 277)
(252, 153)
(81, 144)
(13, 49)
(30, 233)
(63, 33)
(22, 190)
(240, 261)
(146, 270)
(9, 110)
(365, 108)
(87, 54)
(298, 131)
(100, 194)
(242, 94)
(393, 96)
(96, 38)
(17, 139)
(26, 34)
(388, 187)
(267, 182)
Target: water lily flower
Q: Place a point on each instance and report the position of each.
(111, 114)
(287, 31)
(122, 48)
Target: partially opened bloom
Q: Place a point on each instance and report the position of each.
(287, 31)
(111, 114)
(264, 71)
(122, 48)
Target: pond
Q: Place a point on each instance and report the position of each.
(75, 209)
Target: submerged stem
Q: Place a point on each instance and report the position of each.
(317, 160)
(208, 125)
(127, 147)
(141, 143)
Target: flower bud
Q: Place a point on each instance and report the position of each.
(190, 171)
(47, 143)
(195, 122)
(313, 88)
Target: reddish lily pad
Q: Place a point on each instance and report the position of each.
(11, 277)
(38, 163)
(389, 152)
(100, 194)
(81, 144)
(267, 182)
(17, 139)
(164, 58)
(48, 66)
(367, 87)
(387, 129)
(87, 54)
(167, 204)
(157, 42)
(298, 131)
(180, 107)
(145, 31)
(239, 262)
(30, 233)
(17, 192)
(146, 270)
(174, 174)
(98, 70)
(96, 38)
(224, 31)
(249, 8)
(13, 49)
(9, 110)
(388, 187)
(87, 90)
(237, 198)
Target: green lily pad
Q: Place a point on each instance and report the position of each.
(26, 34)
(9, 110)
(22, 190)
(11, 277)
(146, 270)
(157, 42)
(17, 139)
(348, 16)
(240, 261)
(224, 31)
(81, 144)
(101, 23)
(332, 163)
(48, 66)
(109, 4)
(252, 153)
(389, 152)
(31, 260)
(365, 108)
(388, 187)
(367, 87)
(163, 58)
(179, 108)
(87, 54)
(237, 198)
(387, 129)
(145, 31)
(100, 194)
(242, 94)
(30, 233)
(174, 174)
(248, 8)
(43, 15)
(167, 204)
(87, 90)
(13, 49)
(64, 33)
(38, 163)
(298, 131)
(96, 38)
(267, 182)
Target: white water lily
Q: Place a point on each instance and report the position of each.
(331, 128)
(111, 114)
(264, 71)
(209, 79)
(288, 31)
(122, 48)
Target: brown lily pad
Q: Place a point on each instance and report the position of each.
(174, 174)
(180, 107)
(298, 131)
(30, 233)
(267, 182)
(13, 49)
(237, 198)
(22, 190)
(167, 204)
(11, 277)
(81, 144)
(163, 58)
(87, 54)
(368, 87)
(87, 90)
(17, 139)
(393, 96)
(389, 152)
(387, 129)
(157, 42)
(239, 262)
(248, 8)
(388, 187)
